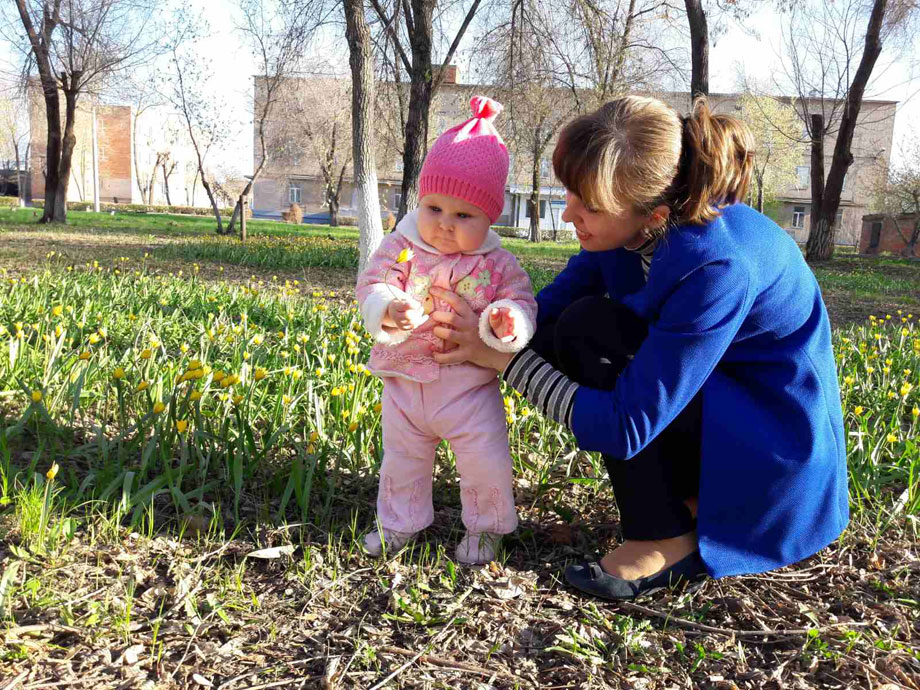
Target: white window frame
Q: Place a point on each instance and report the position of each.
(798, 217)
(803, 176)
(295, 194)
(544, 169)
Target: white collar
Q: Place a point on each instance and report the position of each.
(408, 228)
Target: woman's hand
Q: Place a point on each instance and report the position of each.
(461, 327)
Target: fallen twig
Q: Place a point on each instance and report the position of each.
(448, 663)
(793, 632)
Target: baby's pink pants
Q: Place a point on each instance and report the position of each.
(463, 407)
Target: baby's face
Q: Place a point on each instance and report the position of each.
(451, 225)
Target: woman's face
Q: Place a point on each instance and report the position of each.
(598, 231)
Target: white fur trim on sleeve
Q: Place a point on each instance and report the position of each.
(523, 323)
(374, 308)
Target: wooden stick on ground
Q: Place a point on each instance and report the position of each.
(795, 632)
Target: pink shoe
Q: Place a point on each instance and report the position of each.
(478, 548)
(391, 540)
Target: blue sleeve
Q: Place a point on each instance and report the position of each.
(697, 323)
(581, 277)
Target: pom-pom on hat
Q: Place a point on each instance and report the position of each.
(470, 161)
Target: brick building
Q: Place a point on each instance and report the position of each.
(113, 128)
(292, 174)
(128, 144)
(886, 233)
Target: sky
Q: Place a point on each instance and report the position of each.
(737, 49)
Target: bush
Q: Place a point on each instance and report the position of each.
(294, 214)
(348, 222)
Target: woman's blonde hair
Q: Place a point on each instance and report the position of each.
(638, 153)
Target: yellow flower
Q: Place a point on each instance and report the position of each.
(848, 380)
(906, 388)
(146, 354)
(378, 407)
(353, 426)
(118, 374)
(405, 255)
(319, 371)
(93, 339)
(858, 410)
(345, 414)
(892, 438)
(36, 396)
(181, 425)
(286, 399)
(195, 396)
(314, 436)
(84, 355)
(331, 358)
(194, 364)
(218, 376)
(257, 339)
(142, 386)
(259, 374)
(183, 348)
(915, 412)
(237, 399)
(58, 310)
(158, 407)
(52, 471)
(335, 392)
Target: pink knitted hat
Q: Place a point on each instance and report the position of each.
(470, 161)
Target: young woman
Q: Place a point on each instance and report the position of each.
(688, 343)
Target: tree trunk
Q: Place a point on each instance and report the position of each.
(69, 142)
(166, 175)
(699, 48)
(214, 206)
(534, 201)
(760, 196)
(244, 195)
(150, 181)
(137, 165)
(40, 42)
(362, 98)
(822, 247)
(420, 94)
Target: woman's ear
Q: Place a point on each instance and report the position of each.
(658, 218)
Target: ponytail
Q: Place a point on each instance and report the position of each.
(716, 164)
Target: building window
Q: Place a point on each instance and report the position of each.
(798, 217)
(803, 173)
(838, 219)
(544, 169)
(294, 194)
(876, 236)
(399, 165)
(397, 199)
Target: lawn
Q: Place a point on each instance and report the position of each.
(188, 448)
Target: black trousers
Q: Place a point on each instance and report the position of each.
(592, 342)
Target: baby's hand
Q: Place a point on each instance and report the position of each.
(403, 315)
(503, 324)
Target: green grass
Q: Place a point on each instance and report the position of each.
(168, 475)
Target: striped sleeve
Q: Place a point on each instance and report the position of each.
(547, 389)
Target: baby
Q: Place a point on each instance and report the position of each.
(446, 242)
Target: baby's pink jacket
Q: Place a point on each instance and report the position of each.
(486, 278)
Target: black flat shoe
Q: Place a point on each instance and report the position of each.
(590, 578)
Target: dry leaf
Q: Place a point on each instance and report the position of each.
(273, 552)
(132, 655)
(202, 681)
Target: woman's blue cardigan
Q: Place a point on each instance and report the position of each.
(734, 311)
